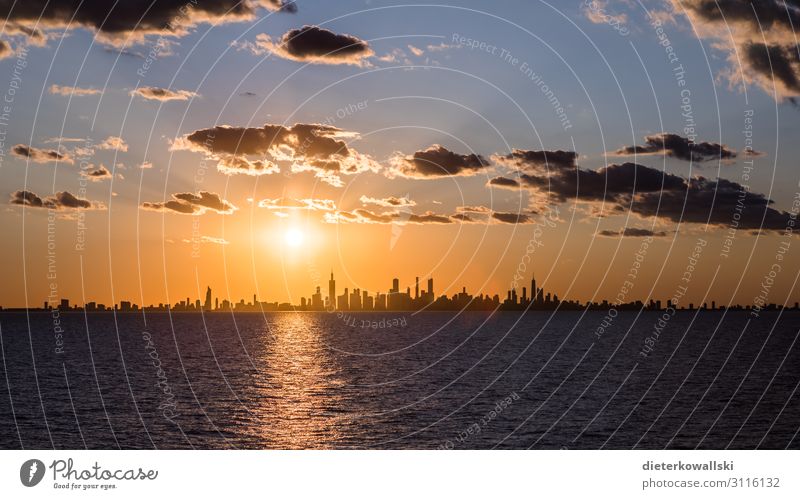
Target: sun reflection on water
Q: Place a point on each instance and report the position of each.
(302, 398)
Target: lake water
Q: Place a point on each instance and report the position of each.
(425, 380)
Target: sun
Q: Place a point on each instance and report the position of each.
(294, 237)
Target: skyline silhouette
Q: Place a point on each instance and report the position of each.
(397, 300)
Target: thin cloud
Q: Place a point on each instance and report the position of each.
(162, 94)
(298, 204)
(364, 216)
(388, 202)
(113, 143)
(72, 91)
(632, 232)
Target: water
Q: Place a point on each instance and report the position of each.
(428, 380)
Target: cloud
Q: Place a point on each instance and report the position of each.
(116, 21)
(391, 217)
(693, 204)
(72, 91)
(679, 147)
(512, 218)
(98, 174)
(504, 182)
(416, 50)
(596, 185)
(758, 39)
(462, 217)
(596, 12)
(473, 209)
(315, 45)
(441, 47)
(317, 148)
(187, 203)
(437, 161)
(649, 192)
(389, 202)
(632, 232)
(113, 143)
(538, 161)
(5, 49)
(298, 204)
(146, 165)
(209, 239)
(162, 94)
(40, 155)
(231, 165)
(60, 201)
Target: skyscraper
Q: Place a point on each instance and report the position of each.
(207, 304)
(416, 289)
(332, 292)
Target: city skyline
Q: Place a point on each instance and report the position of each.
(528, 298)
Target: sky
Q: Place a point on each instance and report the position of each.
(617, 149)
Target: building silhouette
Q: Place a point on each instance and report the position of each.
(395, 300)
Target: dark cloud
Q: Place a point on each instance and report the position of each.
(40, 155)
(115, 20)
(679, 147)
(429, 218)
(596, 185)
(306, 147)
(313, 44)
(437, 161)
(758, 38)
(537, 161)
(162, 94)
(693, 204)
(504, 182)
(462, 217)
(775, 61)
(632, 232)
(97, 174)
(188, 203)
(512, 218)
(60, 201)
(650, 192)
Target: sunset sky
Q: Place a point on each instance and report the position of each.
(254, 148)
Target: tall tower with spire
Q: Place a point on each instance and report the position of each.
(332, 292)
